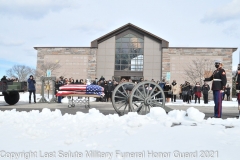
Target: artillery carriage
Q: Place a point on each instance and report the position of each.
(131, 97)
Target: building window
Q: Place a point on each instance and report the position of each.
(129, 53)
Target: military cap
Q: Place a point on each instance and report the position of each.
(218, 61)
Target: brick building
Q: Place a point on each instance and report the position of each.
(129, 52)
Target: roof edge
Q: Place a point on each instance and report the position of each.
(60, 47)
(125, 27)
(233, 48)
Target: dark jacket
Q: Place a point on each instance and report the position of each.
(205, 89)
(31, 84)
(110, 87)
(167, 87)
(186, 88)
(197, 88)
(219, 79)
(228, 90)
(162, 84)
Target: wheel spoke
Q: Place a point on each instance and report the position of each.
(121, 93)
(135, 104)
(155, 94)
(124, 108)
(158, 99)
(124, 91)
(151, 105)
(118, 97)
(121, 106)
(148, 89)
(138, 97)
(138, 107)
(143, 88)
(148, 108)
(140, 93)
(152, 90)
(123, 101)
(145, 108)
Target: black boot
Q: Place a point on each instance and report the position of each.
(29, 100)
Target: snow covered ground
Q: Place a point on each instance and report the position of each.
(157, 135)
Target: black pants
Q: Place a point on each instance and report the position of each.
(109, 95)
(228, 97)
(180, 95)
(189, 98)
(34, 95)
(173, 98)
(185, 98)
(196, 99)
(205, 98)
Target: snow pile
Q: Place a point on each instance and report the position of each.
(195, 115)
(84, 133)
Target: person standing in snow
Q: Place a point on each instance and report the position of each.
(185, 92)
(31, 88)
(237, 80)
(218, 86)
(175, 89)
(167, 88)
(110, 88)
(205, 89)
(228, 89)
(197, 92)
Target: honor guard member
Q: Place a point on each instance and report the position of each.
(237, 80)
(218, 85)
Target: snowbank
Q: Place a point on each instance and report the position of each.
(93, 135)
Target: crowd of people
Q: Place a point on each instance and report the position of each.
(12, 79)
(186, 92)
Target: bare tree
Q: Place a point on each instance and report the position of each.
(20, 71)
(199, 69)
(47, 66)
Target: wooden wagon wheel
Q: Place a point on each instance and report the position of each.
(145, 95)
(120, 98)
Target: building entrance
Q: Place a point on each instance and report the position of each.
(133, 78)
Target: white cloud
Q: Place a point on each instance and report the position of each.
(228, 12)
(32, 9)
(11, 43)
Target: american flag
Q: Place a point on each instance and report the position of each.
(93, 89)
(80, 89)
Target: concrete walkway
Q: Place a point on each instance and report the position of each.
(107, 108)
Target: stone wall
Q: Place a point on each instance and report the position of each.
(175, 59)
(106, 59)
(75, 62)
(152, 59)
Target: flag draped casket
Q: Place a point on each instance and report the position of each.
(80, 89)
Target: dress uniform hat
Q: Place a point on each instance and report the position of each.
(218, 61)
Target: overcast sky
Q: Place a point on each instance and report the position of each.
(184, 23)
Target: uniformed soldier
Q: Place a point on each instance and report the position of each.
(218, 85)
(237, 76)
